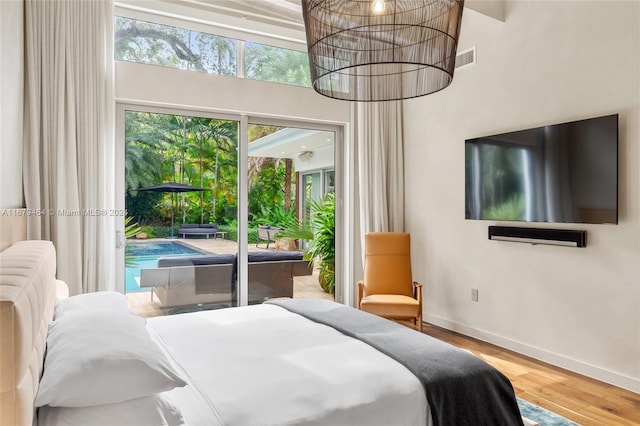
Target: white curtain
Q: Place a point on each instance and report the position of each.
(69, 146)
(380, 155)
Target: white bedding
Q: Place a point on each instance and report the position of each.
(154, 410)
(262, 365)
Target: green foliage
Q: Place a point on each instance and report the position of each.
(296, 230)
(274, 216)
(162, 231)
(192, 150)
(149, 230)
(266, 194)
(512, 209)
(323, 244)
(201, 152)
(131, 228)
(156, 44)
(231, 230)
(268, 63)
(143, 205)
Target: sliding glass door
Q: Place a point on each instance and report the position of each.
(285, 256)
(179, 182)
(180, 192)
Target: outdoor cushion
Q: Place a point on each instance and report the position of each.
(194, 228)
(205, 259)
(274, 256)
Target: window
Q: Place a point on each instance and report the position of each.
(268, 63)
(155, 44)
(164, 45)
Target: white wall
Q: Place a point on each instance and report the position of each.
(138, 83)
(11, 102)
(549, 62)
(323, 158)
(149, 83)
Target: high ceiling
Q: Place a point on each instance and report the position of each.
(286, 11)
(276, 19)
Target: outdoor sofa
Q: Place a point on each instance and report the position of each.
(198, 229)
(192, 280)
(271, 273)
(212, 278)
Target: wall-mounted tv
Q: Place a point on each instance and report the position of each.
(563, 173)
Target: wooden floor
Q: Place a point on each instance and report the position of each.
(578, 398)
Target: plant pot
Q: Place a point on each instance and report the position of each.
(326, 277)
(286, 244)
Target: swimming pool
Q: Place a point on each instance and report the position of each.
(145, 255)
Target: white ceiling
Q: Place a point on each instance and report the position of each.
(276, 12)
(291, 142)
(289, 12)
(280, 19)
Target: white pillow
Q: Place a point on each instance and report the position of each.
(102, 358)
(91, 302)
(148, 411)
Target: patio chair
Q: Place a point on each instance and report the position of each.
(267, 233)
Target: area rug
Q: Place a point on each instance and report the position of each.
(541, 416)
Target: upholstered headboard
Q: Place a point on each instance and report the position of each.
(27, 298)
(13, 227)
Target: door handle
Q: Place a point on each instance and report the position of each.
(119, 239)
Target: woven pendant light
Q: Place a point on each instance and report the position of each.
(381, 50)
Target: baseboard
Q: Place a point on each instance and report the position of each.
(595, 372)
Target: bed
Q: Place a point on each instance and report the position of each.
(290, 361)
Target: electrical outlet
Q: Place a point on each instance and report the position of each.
(474, 294)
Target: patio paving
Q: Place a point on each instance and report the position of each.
(306, 286)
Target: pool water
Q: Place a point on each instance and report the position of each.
(145, 255)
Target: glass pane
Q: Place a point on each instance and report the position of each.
(329, 181)
(268, 63)
(181, 191)
(156, 44)
(283, 259)
(312, 191)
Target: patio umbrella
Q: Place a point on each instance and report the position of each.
(172, 187)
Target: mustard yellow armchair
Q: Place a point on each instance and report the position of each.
(388, 289)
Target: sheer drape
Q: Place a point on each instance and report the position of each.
(69, 139)
(380, 153)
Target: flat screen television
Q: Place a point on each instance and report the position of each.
(561, 173)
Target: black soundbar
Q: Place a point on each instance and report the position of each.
(559, 237)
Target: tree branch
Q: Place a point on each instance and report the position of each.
(181, 50)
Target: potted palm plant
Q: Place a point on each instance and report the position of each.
(321, 235)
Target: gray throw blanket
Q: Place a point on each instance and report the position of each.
(461, 389)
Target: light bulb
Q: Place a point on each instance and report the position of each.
(378, 6)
